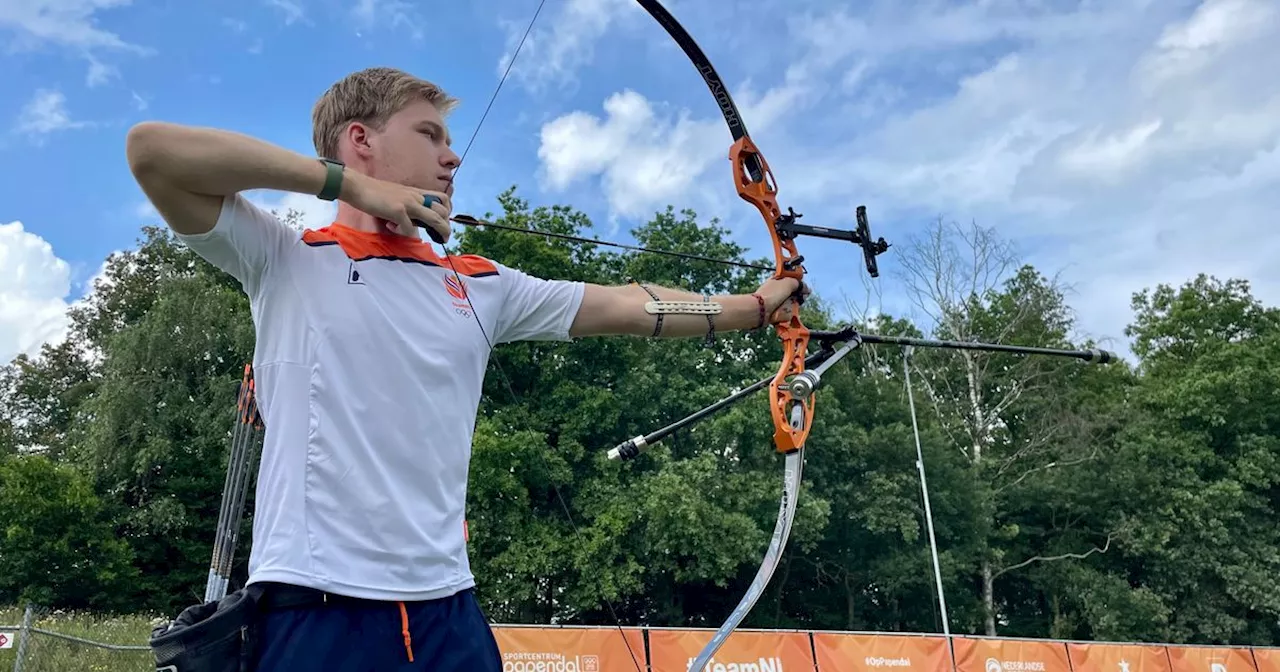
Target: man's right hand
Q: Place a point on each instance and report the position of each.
(396, 205)
(186, 171)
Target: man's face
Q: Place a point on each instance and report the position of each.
(413, 149)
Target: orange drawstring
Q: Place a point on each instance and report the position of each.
(404, 625)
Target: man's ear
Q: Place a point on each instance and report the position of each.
(359, 139)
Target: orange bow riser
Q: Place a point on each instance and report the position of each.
(792, 418)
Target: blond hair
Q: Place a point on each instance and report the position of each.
(369, 96)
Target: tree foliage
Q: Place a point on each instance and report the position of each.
(1135, 501)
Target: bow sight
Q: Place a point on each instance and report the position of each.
(788, 229)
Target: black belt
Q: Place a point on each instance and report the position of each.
(285, 596)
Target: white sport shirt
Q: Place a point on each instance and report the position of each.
(368, 366)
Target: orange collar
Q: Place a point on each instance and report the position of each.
(360, 244)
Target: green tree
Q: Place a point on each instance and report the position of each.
(56, 546)
(1071, 501)
(40, 396)
(1021, 422)
(668, 538)
(1207, 460)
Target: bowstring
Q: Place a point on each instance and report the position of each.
(489, 343)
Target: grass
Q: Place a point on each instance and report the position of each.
(45, 652)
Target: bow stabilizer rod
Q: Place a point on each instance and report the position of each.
(1091, 356)
(804, 384)
(632, 448)
(834, 346)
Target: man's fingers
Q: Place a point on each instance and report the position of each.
(433, 221)
(443, 231)
(438, 201)
(800, 294)
(401, 224)
(435, 211)
(439, 230)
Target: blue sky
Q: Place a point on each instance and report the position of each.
(1108, 141)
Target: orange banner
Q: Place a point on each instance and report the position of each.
(1268, 660)
(569, 649)
(881, 653)
(1010, 655)
(1104, 657)
(674, 651)
(1210, 659)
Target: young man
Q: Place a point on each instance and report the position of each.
(369, 361)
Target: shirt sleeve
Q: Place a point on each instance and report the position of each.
(534, 309)
(246, 242)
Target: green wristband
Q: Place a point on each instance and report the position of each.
(332, 179)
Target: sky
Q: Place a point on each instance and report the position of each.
(1117, 144)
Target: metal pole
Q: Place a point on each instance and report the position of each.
(23, 635)
(928, 510)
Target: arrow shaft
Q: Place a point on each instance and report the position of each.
(468, 220)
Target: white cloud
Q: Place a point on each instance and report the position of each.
(46, 113)
(99, 278)
(648, 156)
(376, 14)
(36, 285)
(313, 213)
(558, 45)
(642, 160)
(289, 10)
(66, 23)
(1115, 139)
(33, 292)
(1107, 157)
(100, 73)
(1185, 49)
(145, 210)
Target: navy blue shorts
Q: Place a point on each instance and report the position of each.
(450, 634)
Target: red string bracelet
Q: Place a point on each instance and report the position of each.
(760, 301)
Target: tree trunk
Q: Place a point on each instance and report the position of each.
(850, 602)
(978, 433)
(979, 439)
(989, 597)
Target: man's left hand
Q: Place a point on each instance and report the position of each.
(777, 293)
